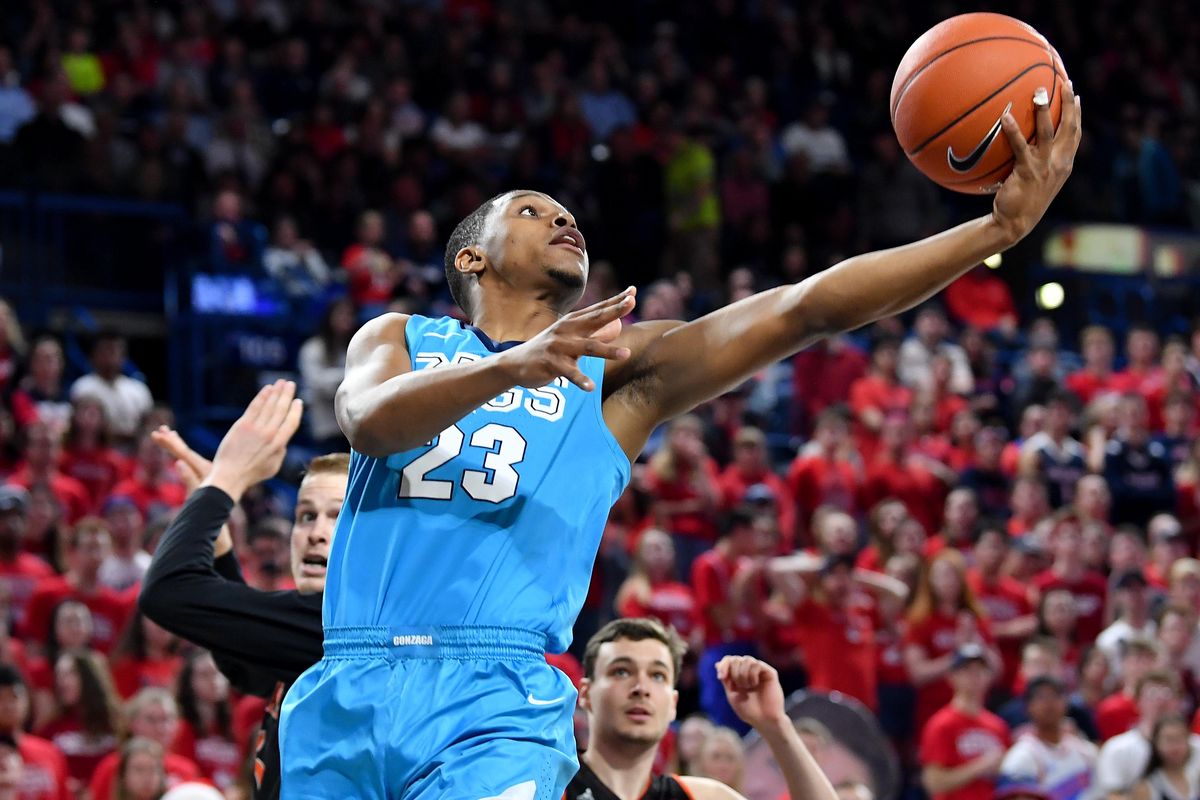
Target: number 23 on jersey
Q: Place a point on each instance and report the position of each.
(504, 445)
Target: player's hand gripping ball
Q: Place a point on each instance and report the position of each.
(952, 89)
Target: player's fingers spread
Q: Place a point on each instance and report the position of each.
(596, 320)
(275, 412)
(1016, 139)
(291, 422)
(1070, 110)
(609, 332)
(577, 377)
(592, 347)
(600, 305)
(260, 402)
(1045, 125)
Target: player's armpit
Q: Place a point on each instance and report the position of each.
(675, 366)
(708, 789)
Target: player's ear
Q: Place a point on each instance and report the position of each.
(470, 260)
(674, 704)
(585, 694)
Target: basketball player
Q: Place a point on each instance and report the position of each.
(487, 457)
(262, 641)
(630, 668)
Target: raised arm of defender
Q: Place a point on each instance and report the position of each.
(384, 407)
(754, 693)
(692, 362)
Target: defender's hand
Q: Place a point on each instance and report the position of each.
(193, 468)
(253, 449)
(1041, 169)
(753, 690)
(556, 351)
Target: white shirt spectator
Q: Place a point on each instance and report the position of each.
(1063, 771)
(125, 400)
(915, 368)
(319, 381)
(824, 148)
(1111, 638)
(119, 574)
(1123, 760)
(464, 137)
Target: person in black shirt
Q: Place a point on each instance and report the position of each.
(262, 641)
(630, 667)
(1137, 468)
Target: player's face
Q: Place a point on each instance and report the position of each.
(317, 509)
(531, 237)
(632, 697)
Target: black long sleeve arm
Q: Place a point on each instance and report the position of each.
(272, 635)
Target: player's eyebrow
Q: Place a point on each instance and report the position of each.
(544, 198)
(628, 660)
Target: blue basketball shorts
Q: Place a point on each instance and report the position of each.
(459, 713)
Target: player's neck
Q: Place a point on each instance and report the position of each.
(510, 317)
(625, 771)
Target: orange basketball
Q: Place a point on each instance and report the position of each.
(954, 84)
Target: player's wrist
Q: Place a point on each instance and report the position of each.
(775, 728)
(230, 480)
(1002, 231)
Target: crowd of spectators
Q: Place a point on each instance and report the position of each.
(316, 134)
(961, 511)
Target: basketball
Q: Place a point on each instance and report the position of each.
(952, 88)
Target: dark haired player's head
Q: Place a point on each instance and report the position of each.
(630, 668)
(520, 244)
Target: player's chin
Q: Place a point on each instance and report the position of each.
(569, 272)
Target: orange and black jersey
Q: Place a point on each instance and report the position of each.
(586, 786)
(261, 641)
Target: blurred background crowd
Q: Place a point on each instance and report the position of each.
(979, 500)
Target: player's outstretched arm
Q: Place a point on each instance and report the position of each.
(754, 693)
(696, 361)
(385, 407)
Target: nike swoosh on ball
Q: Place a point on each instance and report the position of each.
(966, 164)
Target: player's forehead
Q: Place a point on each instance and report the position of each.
(640, 652)
(321, 488)
(508, 200)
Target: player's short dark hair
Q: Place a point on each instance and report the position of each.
(635, 629)
(466, 233)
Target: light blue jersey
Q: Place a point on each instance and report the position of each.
(494, 523)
